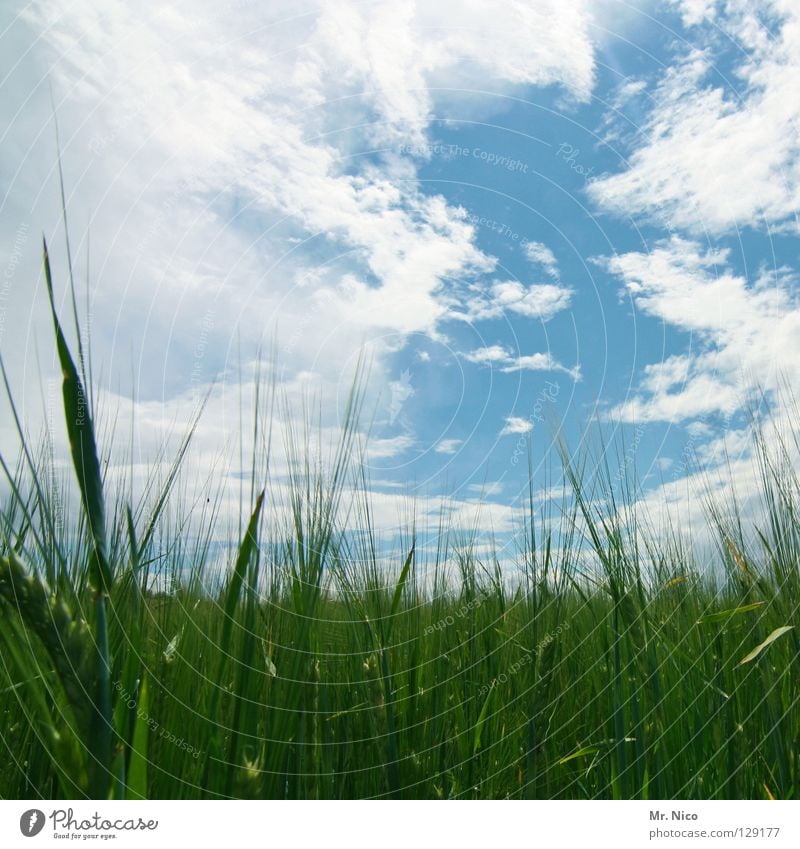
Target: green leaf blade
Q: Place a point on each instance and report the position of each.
(725, 615)
(136, 786)
(83, 447)
(778, 632)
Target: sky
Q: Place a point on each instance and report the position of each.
(534, 221)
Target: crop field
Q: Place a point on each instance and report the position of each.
(597, 660)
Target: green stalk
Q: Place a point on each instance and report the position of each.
(83, 447)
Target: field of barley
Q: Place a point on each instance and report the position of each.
(596, 660)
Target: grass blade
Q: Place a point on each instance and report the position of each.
(476, 742)
(401, 582)
(83, 447)
(586, 750)
(725, 615)
(136, 786)
(247, 550)
(778, 632)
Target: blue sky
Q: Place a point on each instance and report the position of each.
(533, 217)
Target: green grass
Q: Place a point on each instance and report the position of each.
(597, 661)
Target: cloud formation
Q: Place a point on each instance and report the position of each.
(742, 334)
(711, 158)
(507, 362)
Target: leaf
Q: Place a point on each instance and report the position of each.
(778, 632)
(134, 546)
(247, 549)
(83, 447)
(586, 750)
(401, 581)
(137, 766)
(601, 746)
(724, 615)
(482, 720)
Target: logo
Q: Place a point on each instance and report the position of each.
(31, 822)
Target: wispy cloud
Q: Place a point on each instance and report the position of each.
(539, 254)
(447, 446)
(744, 332)
(497, 355)
(206, 149)
(707, 159)
(191, 142)
(541, 362)
(489, 488)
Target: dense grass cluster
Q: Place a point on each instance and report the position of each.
(596, 661)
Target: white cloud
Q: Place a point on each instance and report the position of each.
(382, 449)
(538, 301)
(489, 354)
(399, 392)
(516, 425)
(541, 301)
(694, 12)
(225, 179)
(628, 90)
(541, 362)
(447, 446)
(214, 153)
(488, 488)
(699, 429)
(710, 159)
(396, 53)
(539, 254)
(661, 377)
(744, 334)
(508, 362)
